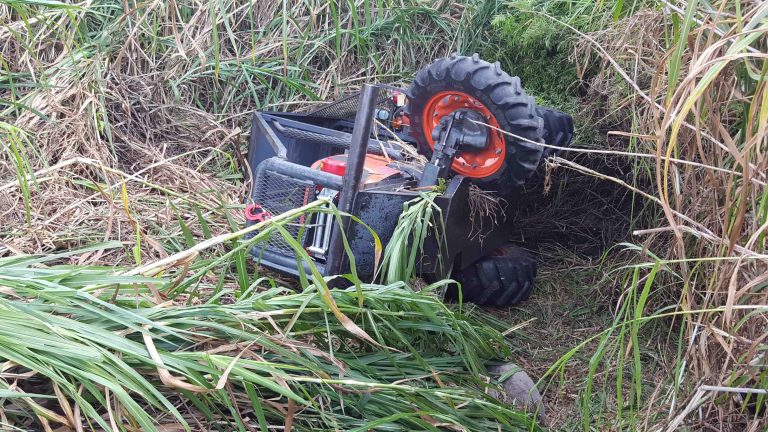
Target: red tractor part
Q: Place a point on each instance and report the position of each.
(336, 164)
(458, 84)
(375, 169)
(256, 213)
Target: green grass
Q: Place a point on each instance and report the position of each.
(97, 336)
(675, 282)
(16, 147)
(128, 126)
(421, 219)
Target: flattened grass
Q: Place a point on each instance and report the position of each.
(84, 346)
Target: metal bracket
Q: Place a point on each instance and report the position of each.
(458, 132)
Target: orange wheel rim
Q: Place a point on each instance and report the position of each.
(469, 164)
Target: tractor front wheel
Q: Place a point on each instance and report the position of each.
(503, 278)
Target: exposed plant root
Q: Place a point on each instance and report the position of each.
(485, 206)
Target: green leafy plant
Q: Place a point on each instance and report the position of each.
(420, 220)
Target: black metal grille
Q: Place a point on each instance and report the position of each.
(278, 193)
(340, 109)
(346, 107)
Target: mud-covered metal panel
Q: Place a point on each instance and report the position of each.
(471, 234)
(380, 211)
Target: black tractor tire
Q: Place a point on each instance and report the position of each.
(503, 278)
(558, 129)
(502, 94)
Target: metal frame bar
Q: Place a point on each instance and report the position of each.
(260, 121)
(290, 169)
(360, 136)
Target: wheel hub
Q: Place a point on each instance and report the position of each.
(474, 161)
(472, 134)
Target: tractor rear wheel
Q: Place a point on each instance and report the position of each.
(503, 278)
(460, 82)
(558, 129)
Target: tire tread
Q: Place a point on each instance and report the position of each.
(503, 278)
(502, 94)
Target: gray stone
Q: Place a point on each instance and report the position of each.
(519, 389)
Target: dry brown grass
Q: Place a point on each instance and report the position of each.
(693, 152)
(136, 129)
(485, 206)
(705, 166)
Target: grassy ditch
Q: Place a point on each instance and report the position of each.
(123, 124)
(677, 94)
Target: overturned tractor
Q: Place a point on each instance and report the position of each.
(472, 123)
